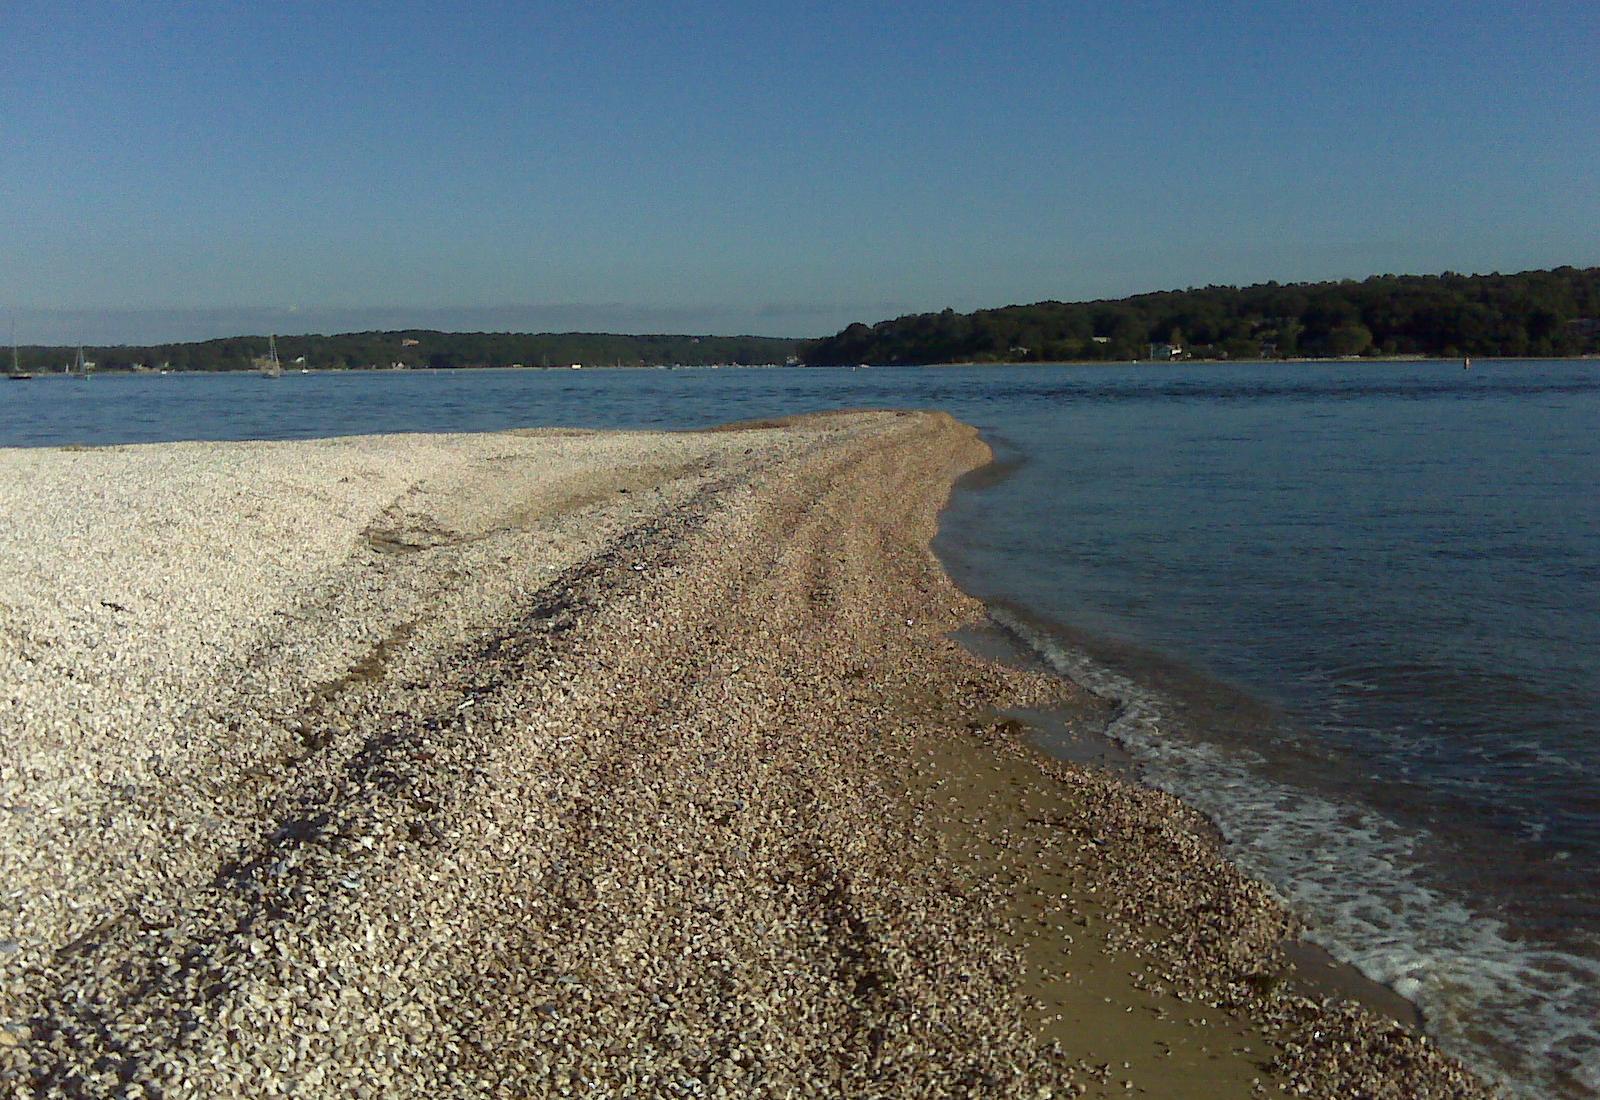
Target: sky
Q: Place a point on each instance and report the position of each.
(180, 171)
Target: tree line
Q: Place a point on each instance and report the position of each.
(1532, 313)
(424, 348)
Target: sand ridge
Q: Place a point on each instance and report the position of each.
(554, 764)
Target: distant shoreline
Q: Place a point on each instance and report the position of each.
(37, 375)
(1375, 360)
(1554, 312)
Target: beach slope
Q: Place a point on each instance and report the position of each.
(590, 764)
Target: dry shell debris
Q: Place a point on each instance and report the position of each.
(546, 764)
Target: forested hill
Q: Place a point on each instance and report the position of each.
(1534, 313)
(421, 348)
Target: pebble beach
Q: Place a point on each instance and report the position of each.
(569, 763)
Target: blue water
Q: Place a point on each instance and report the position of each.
(1352, 611)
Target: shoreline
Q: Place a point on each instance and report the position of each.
(587, 761)
(1072, 736)
(1375, 360)
(1076, 738)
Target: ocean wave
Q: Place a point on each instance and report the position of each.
(1524, 1013)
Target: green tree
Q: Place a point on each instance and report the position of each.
(1241, 347)
(1349, 339)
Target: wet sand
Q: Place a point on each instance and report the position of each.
(590, 764)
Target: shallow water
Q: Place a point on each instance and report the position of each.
(1350, 610)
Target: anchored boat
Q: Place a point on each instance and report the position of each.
(16, 374)
(270, 367)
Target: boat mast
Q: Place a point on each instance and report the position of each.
(272, 368)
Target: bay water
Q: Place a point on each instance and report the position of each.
(1349, 610)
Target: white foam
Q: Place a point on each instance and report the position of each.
(1524, 1014)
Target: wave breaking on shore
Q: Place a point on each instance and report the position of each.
(1513, 1009)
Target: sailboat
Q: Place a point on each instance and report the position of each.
(80, 367)
(16, 374)
(270, 367)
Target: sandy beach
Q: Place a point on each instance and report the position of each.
(587, 764)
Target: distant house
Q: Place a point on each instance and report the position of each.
(408, 342)
(1166, 351)
(1101, 339)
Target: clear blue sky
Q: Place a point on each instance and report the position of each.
(779, 168)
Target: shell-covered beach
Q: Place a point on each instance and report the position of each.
(589, 764)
